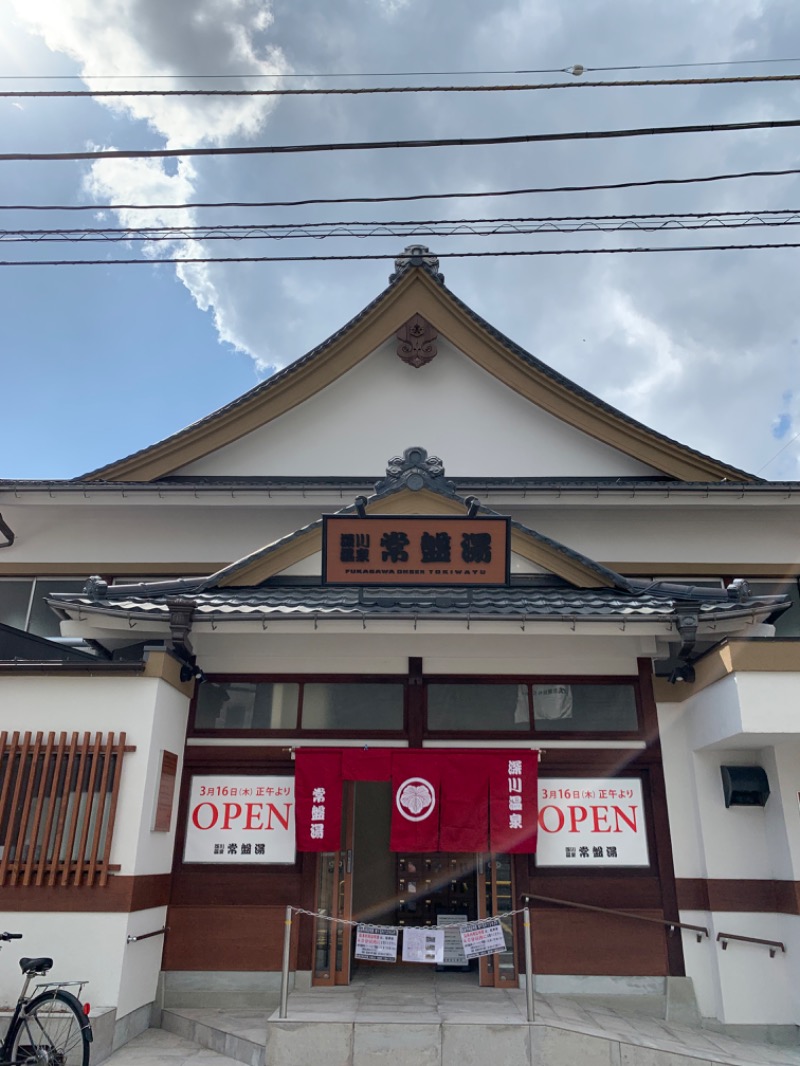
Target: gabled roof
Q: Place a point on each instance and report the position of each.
(417, 288)
(574, 587)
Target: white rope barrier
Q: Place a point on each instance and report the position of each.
(395, 929)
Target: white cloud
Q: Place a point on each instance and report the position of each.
(146, 38)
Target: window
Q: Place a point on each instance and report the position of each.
(58, 797)
(788, 624)
(478, 707)
(362, 707)
(22, 603)
(556, 706)
(292, 706)
(246, 705)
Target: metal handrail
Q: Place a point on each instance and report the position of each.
(146, 936)
(773, 945)
(699, 930)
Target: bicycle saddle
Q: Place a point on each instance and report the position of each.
(32, 966)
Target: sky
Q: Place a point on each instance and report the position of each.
(97, 362)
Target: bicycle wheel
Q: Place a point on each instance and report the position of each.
(53, 1031)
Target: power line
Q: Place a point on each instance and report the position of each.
(359, 146)
(577, 68)
(391, 256)
(377, 90)
(479, 227)
(408, 198)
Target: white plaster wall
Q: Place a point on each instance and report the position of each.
(141, 962)
(452, 407)
(93, 945)
(86, 947)
(186, 532)
(734, 839)
(168, 731)
(754, 988)
(111, 704)
(745, 708)
(741, 985)
(679, 779)
(465, 652)
(782, 764)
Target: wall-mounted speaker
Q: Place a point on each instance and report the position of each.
(745, 786)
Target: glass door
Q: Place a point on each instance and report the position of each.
(334, 900)
(496, 897)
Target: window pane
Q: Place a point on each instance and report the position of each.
(14, 599)
(246, 705)
(43, 621)
(470, 708)
(788, 625)
(584, 708)
(344, 706)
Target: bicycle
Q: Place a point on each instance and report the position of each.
(50, 1027)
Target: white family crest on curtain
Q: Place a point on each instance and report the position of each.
(416, 799)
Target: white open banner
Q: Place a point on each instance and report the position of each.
(590, 821)
(240, 819)
(376, 942)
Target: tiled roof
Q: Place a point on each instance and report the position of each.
(525, 601)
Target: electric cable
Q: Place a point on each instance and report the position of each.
(359, 146)
(488, 227)
(407, 198)
(377, 90)
(392, 256)
(576, 67)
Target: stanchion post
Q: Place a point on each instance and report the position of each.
(528, 963)
(287, 947)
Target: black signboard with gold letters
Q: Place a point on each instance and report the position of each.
(415, 550)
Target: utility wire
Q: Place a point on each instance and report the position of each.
(390, 257)
(374, 90)
(577, 68)
(405, 199)
(358, 146)
(362, 230)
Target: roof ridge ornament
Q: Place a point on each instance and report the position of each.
(417, 342)
(416, 255)
(415, 470)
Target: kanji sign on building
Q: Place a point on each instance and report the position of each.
(414, 550)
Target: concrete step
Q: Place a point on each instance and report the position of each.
(474, 1032)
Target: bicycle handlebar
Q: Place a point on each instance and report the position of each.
(10, 936)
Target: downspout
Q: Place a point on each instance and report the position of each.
(7, 532)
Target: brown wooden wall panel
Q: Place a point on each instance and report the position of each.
(120, 894)
(572, 942)
(614, 889)
(227, 938)
(739, 894)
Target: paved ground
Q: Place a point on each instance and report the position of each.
(396, 996)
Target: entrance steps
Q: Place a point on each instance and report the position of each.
(433, 1020)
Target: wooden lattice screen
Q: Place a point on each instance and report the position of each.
(58, 799)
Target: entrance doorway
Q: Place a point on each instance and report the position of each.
(366, 882)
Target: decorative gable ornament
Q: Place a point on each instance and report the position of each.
(417, 341)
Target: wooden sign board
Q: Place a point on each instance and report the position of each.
(415, 550)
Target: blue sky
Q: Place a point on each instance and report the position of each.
(97, 362)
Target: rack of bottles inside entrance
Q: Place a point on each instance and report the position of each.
(420, 942)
